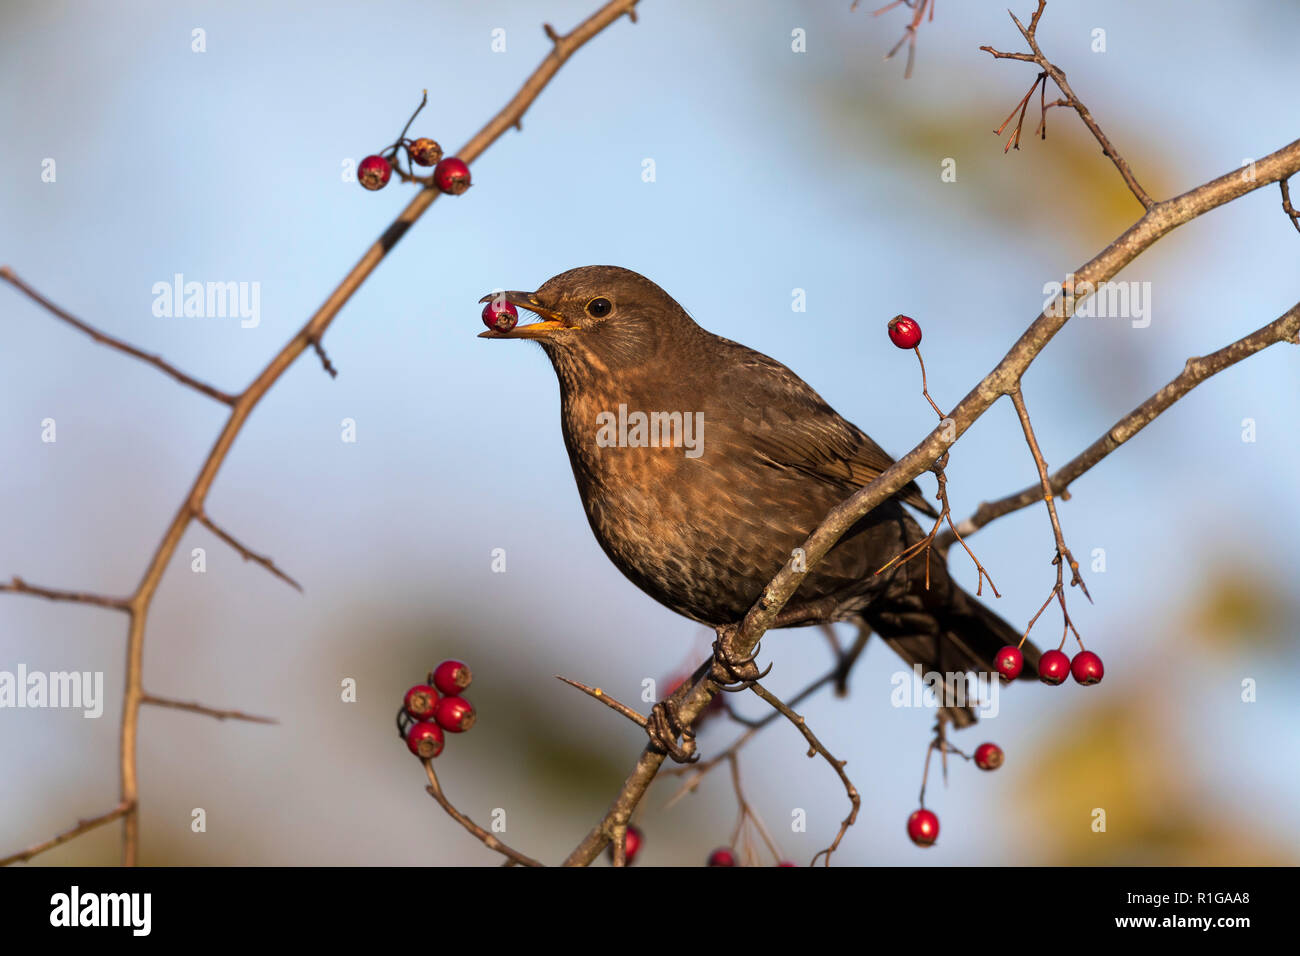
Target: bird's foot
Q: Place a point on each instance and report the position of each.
(664, 727)
(731, 672)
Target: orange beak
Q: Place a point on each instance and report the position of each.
(551, 321)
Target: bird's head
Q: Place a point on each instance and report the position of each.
(597, 314)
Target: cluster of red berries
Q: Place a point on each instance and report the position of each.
(1053, 666)
(429, 709)
(635, 839)
(451, 175)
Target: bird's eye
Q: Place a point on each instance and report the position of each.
(599, 307)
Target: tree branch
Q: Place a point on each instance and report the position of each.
(104, 338)
(1159, 220)
(208, 711)
(1286, 328)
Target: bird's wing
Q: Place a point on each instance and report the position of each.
(788, 423)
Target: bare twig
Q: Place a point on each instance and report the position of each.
(197, 708)
(103, 338)
(1057, 75)
(487, 839)
(1157, 221)
(747, 813)
(247, 554)
(1287, 208)
(18, 586)
(815, 747)
(1062, 552)
(909, 33)
(1285, 328)
(242, 405)
(598, 694)
(83, 826)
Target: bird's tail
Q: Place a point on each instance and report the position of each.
(960, 635)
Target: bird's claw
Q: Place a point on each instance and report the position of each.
(734, 674)
(664, 727)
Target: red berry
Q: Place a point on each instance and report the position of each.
(1009, 662)
(452, 677)
(1053, 667)
(787, 863)
(455, 714)
(374, 171)
(989, 756)
(1086, 668)
(923, 827)
(722, 856)
(904, 332)
(631, 845)
(425, 739)
(420, 701)
(425, 152)
(500, 316)
(451, 176)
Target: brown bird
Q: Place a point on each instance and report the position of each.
(703, 464)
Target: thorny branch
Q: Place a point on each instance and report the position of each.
(310, 335)
(1287, 208)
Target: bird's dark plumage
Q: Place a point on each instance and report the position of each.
(702, 531)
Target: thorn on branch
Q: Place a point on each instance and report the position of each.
(434, 789)
(597, 694)
(247, 554)
(324, 359)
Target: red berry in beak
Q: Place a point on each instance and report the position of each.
(425, 739)
(500, 316)
(374, 172)
(425, 152)
(452, 677)
(451, 176)
(455, 714)
(420, 701)
(722, 856)
(1086, 668)
(989, 756)
(1053, 667)
(904, 332)
(1009, 662)
(923, 827)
